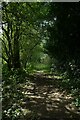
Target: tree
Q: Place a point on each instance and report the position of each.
(63, 43)
(11, 25)
(21, 31)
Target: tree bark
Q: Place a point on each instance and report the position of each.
(16, 49)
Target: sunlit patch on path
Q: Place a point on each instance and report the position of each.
(46, 99)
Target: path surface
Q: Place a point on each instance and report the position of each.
(44, 96)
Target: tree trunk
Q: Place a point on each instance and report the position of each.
(16, 62)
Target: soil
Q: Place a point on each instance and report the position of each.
(44, 96)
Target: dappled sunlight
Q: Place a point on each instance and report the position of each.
(47, 100)
(41, 61)
(58, 77)
(26, 111)
(41, 94)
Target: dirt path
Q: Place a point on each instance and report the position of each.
(43, 96)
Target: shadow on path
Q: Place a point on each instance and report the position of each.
(44, 96)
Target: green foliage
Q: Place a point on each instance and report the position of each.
(38, 37)
(21, 48)
(42, 67)
(9, 76)
(12, 95)
(77, 101)
(22, 32)
(63, 43)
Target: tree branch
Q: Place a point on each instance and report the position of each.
(5, 32)
(6, 50)
(4, 59)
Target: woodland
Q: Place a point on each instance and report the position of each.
(40, 61)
